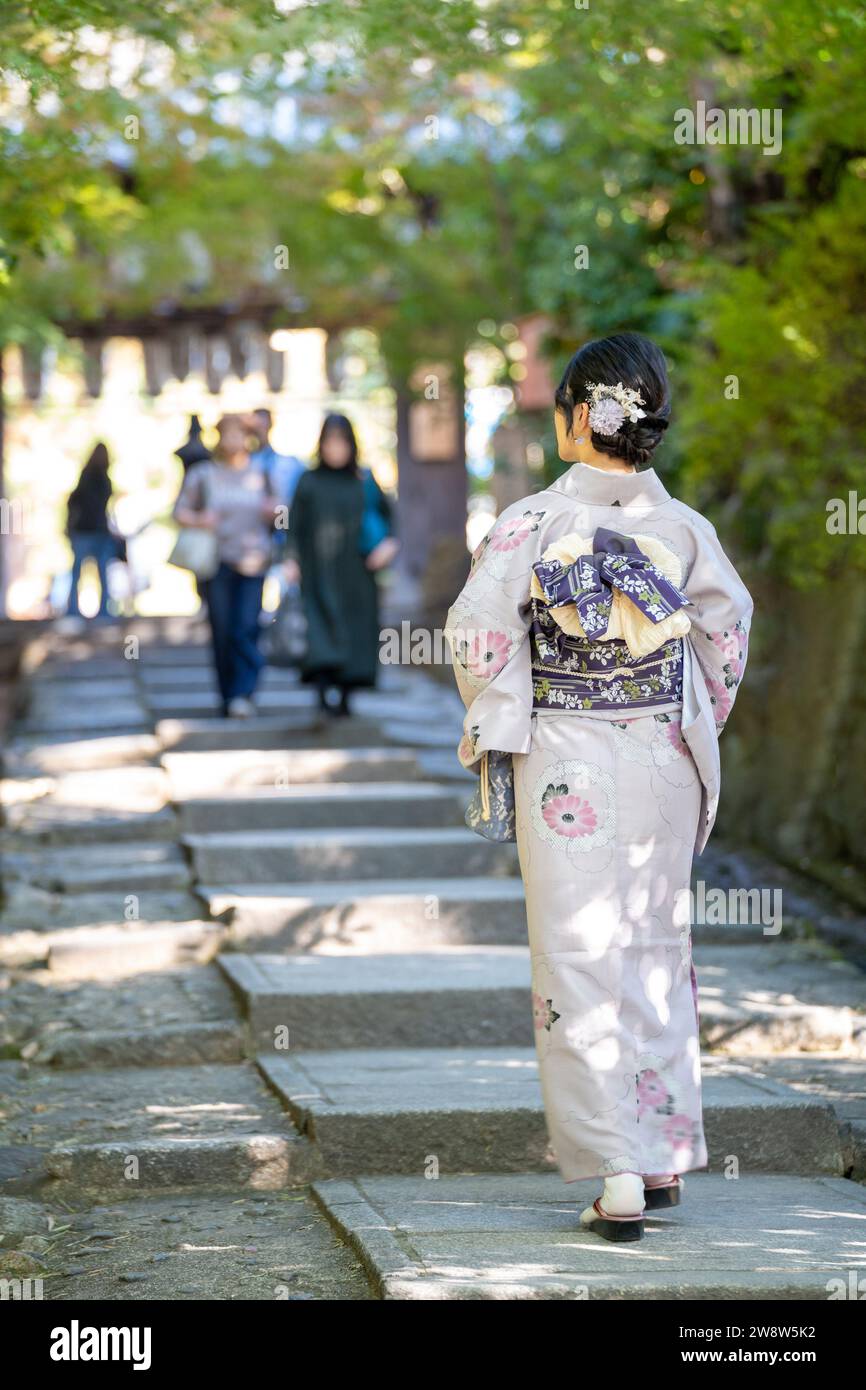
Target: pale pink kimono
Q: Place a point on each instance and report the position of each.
(611, 805)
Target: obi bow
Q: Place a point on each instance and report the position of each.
(589, 582)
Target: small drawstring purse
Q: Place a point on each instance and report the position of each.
(491, 811)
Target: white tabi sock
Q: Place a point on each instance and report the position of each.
(622, 1196)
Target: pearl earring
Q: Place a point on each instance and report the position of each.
(581, 439)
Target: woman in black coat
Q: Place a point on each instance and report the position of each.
(340, 533)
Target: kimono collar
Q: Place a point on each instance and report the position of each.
(597, 485)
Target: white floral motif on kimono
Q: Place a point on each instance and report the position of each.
(492, 559)
(666, 749)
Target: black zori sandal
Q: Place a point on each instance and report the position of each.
(664, 1195)
(620, 1228)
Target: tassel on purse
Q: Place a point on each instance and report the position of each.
(490, 813)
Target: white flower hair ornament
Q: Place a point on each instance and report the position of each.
(610, 406)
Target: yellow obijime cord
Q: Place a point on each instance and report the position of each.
(485, 791)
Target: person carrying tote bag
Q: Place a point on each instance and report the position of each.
(231, 503)
(196, 547)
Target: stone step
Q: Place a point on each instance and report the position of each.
(517, 1236)
(105, 804)
(197, 676)
(388, 915)
(154, 656)
(125, 868)
(31, 915)
(779, 996)
(480, 1110)
(238, 770)
(123, 1131)
(329, 806)
(445, 734)
(46, 690)
(165, 1045)
(203, 702)
(97, 952)
(44, 825)
(463, 995)
(86, 670)
(26, 756)
(842, 1081)
(443, 764)
(50, 717)
(190, 1247)
(299, 855)
(456, 996)
(297, 731)
(200, 702)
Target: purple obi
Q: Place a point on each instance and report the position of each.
(594, 672)
(576, 673)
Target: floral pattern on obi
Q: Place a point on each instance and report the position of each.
(609, 588)
(575, 673)
(616, 563)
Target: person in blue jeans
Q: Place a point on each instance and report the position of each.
(232, 497)
(88, 529)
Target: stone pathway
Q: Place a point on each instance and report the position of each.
(265, 1029)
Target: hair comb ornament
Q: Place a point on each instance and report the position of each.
(610, 406)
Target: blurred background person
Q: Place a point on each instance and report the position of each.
(193, 450)
(232, 497)
(341, 534)
(284, 470)
(88, 527)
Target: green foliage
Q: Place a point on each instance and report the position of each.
(428, 167)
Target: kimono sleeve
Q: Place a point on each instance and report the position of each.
(720, 621)
(487, 630)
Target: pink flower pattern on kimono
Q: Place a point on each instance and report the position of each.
(723, 679)
(485, 653)
(674, 735)
(466, 748)
(733, 644)
(668, 1131)
(543, 1013)
(679, 1130)
(573, 807)
(568, 814)
(652, 1094)
(721, 699)
(511, 534)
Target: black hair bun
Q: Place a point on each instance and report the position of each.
(634, 441)
(627, 359)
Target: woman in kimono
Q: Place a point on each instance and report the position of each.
(340, 534)
(599, 640)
